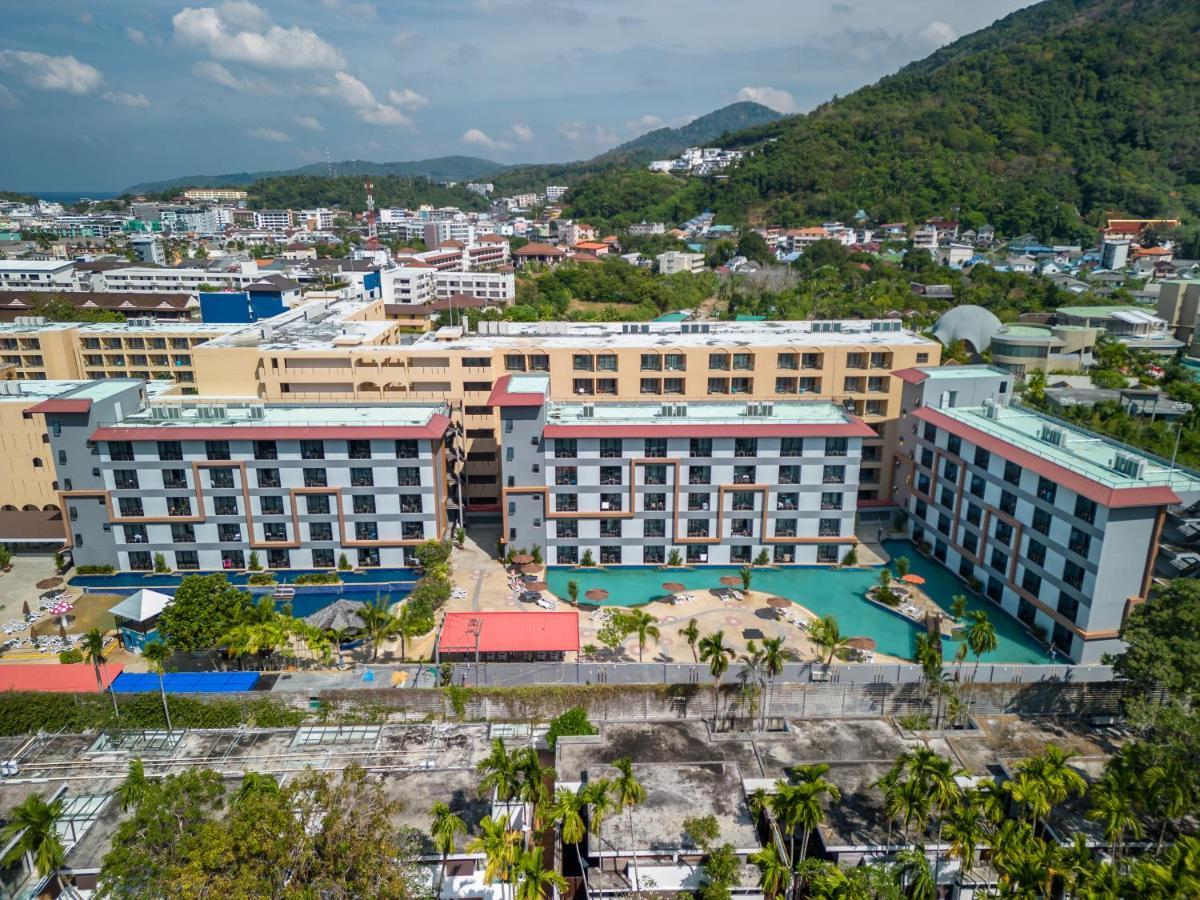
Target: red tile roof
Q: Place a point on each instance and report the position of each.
(500, 395)
(1113, 498)
(62, 405)
(76, 678)
(536, 249)
(510, 632)
(910, 376)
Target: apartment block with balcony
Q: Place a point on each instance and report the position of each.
(1057, 526)
(716, 482)
(207, 483)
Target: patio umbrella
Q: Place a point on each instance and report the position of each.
(731, 580)
(522, 559)
(25, 608)
(337, 615)
(861, 643)
(673, 587)
(60, 611)
(531, 568)
(597, 594)
(778, 602)
(536, 586)
(912, 578)
(46, 583)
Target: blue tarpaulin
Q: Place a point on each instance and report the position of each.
(186, 682)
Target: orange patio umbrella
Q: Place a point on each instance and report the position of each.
(731, 580)
(913, 578)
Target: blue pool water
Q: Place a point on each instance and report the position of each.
(824, 591)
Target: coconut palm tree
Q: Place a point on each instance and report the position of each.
(379, 624)
(962, 825)
(888, 784)
(1171, 792)
(629, 793)
(498, 843)
(444, 830)
(902, 565)
(691, 634)
(747, 577)
(929, 656)
(980, 637)
(808, 802)
(715, 652)
(533, 788)
(773, 872)
(134, 788)
(643, 625)
(773, 657)
(827, 635)
(93, 653)
(156, 654)
(499, 771)
(1114, 805)
(567, 811)
(752, 676)
(784, 805)
(406, 619)
(32, 828)
(534, 880)
(912, 871)
(958, 607)
(912, 805)
(596, 797)
(936, 776)
(256, 784)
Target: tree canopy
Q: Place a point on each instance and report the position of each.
(204, 609)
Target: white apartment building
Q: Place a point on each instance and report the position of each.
(214, 194)
(37, 274)
(411, 286)
(145, 279)
(273, 219)
(316, 219)
(674, 261)
(481, 188)
(645, 229)
(555, 192)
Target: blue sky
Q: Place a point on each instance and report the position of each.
(100, 94)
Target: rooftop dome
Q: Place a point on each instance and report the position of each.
(973, 324)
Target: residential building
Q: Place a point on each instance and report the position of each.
(1114, 254)
(214, 194)
(719, 483)
(149, 249)
(555, 192)
(273, 219)
(203, 483)
(158, 306)
(1131, 325)
(26, 466)
(1022, 349)
(1057, 526)
(145, 279)
(534, 252)
(37, 275)
(674, 261)
(645, 229)
(1179, 307)
(507, 636)
(480, 188)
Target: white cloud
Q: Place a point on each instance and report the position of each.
(382, 114)
(408, 99)
(353, 93)
(8, 100)
(402, 40)
(51, 73)
(361, 9)
(645, 123)
(588, 134)
(216, 73)
(239, 32)
(522, 132)
(268, 134)
(136, 35)
(309, 122)
(124, 98)
(937, 34)
(776, 98)
(475, 137)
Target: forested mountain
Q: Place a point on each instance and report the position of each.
(663, 143)
(1044, 122)
(443, 168)
(347, 192)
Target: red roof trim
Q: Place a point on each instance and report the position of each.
(434, 429)
(1113, 498)
(855, 428)
(500, 395)
(511, 632)
(56, 405)
(910, 376)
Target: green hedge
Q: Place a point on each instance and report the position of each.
(26, 713)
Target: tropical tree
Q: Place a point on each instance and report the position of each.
(1171, 792)
(902, 565)
(32, 829)
(912, 870)
(691, 634)
(981, 638)
(498, 843)
(958, 606)
(752, 676)
(534, 880)
(1114, 805)
(774, 874)
(827, 635)
(156, 654)
(500, 772)
(444, 830)
(962, 825)
(533, 788)
(567, 811)
(379, 624)
(774, 655)
(629, 793)
(912, 805)
(408, 617)
(596, 796)
(747, 577)
(929, 656)
(808, 800)
(715, 652)
(642, 624)
(573, 591)
(135, 786)
(255, 785)
(93, 653)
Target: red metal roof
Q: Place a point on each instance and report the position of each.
(854, 428)
(500, 395)
(910, 376)
(432, 430)
(77, 678)
(510, 632)
(1113, 498)
(62, 405)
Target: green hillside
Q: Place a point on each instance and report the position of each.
(1044, 122)
(667, 142)
(347, 192)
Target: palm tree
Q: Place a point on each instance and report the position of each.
(936, 775)
(134, 788)
(747, 576)
(406, 619)
(963, 826)
(444, 830)
(156, 654)
(595, 796)
(256, 784)
(717, 654)
(912, 805)
(889, 785)
(691, 634)
(752, 676)
(902, 564)
(784, 805)
(32, 827)
(1114, 802)
(643, 625)
(499, 772)
(773, 657)
(773, 871)
(827, 635)
(379, 624)
(981, 638)
(499, 845)
(813, 788)
(534, 781)
(1171, 793)
(958, 606)
(911, 869)
(930, 658)
(93, 652)
(535, 880)
(629, 793)
(567, 810)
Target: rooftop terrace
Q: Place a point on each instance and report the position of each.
(696, 413)
(254, 415)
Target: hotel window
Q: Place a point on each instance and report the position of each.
(670, 386)
(315, 478)
(607, 385)
(225, 506)
(271, 506)
(275, 531)
(654, 528)
(610, 555)
(514, 362)
(1041, 521)
(583, 386)
(745, 447)
(610, 528)
(701, 447)
(409, 476)
(125, 479)
(812, 360)
(186, 560)
(832, 500)
(317, 504)
(320, 531)
(743, 361)
(1036, 552)
(999, 561)
(359, 449)
(655, 474)
(743, 501)
(567, 556)
(651, 362)
(174, 478)
(220, 478)
(835, 446)
(581, 362)
(977, 485)
(744, 474)
(312, 449)
(786, 385)
(1080, 542)
(1068, 606)
(322, 558)
(787, 361)
(718, 385)
(566, 475)
(170, 450)
(140, 561)
(1008, 503)
(943, 523)
(718, 361)
(539, 362)
(411, 503)
(829, 528)
(829, 475)
(787, 555)
(610, 475)
(651, 386)
(610, 503)
(364, 504)
(121, 451)
(970, 542)
(1003, 532)
(1026, 611)
(1085, 509)
(974, 514)
(995, 589)
(565, 448)
(926, 457)
(982, 458)
(268, 478)
(1073, 574)
(697, 502)
(565, 529)
(654, 555)
(366, 531)
(954, 444)
(362, 477)
(785, 528)
(563, 503)
(697, 528)
(265, 450)
(1012, 473)
(655, 448)
(1047, 490)
(792, 447)
(407, 449)
(950, 471)
(742, 528)
(856, 360)
(947, 498)
(788, 501)
(606, 362)
(1031, 582)
(368, 557)
(129, 507)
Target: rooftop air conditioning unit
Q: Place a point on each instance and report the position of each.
(258, 412)
(1129, 466)
(1054, 435)
(767, 409)
(991, 409)
(588, 411)
(140, 323)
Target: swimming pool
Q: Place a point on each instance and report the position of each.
(825, 591)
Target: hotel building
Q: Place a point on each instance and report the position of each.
(1057, 526)
(716, 482)
(204, 484)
